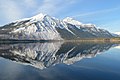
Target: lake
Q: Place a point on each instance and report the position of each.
(60, 61)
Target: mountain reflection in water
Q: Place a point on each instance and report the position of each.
(44, 55)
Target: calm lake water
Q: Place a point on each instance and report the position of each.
(60, 61)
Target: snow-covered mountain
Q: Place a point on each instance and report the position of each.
(44, 55)
(45, 27)
(117, 33)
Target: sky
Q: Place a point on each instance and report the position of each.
(103, 13)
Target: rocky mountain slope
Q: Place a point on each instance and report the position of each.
(45, 27)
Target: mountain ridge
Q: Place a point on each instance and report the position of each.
(45, 27)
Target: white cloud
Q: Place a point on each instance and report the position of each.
(117, 33)
(53, 7)
(30, 3)
(97, 12)
(9, 10)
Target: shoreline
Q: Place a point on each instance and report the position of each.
(103, 40)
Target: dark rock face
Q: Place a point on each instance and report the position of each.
(44, 27)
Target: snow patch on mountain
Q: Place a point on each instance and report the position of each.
(45, 27)
(72, 21)
(118, 33)
(39, 17)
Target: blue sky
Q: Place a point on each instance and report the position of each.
(104, 13)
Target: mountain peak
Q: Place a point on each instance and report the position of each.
(72, 21)
(45, 27)
(39, 16)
